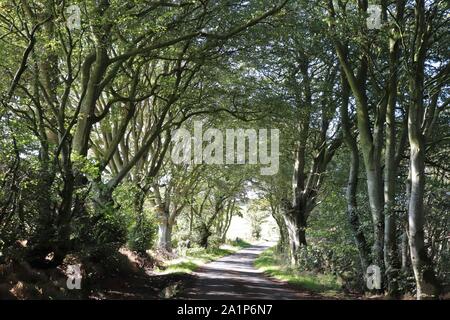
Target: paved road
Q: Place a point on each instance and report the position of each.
(234, 277)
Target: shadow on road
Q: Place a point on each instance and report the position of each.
(234, 277)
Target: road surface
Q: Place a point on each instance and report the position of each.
(234, 277)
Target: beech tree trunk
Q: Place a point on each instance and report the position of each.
(405, 252)
(165, 235)
(165, 226)
(426, 282)
(283, 232)
(295, 221)
(205, 233)
(370, 147)
(352, 185)
(393, 150)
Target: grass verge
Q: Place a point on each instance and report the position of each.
(196, 257)
(273, 266)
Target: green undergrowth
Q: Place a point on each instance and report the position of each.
(275, 267)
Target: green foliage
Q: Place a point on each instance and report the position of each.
(274, 266)
(258, 215)
(141, 226)
(86, 166)
(102, 231)
(142, 234)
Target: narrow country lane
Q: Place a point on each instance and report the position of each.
(235, 277)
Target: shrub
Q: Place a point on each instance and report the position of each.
(142, 234)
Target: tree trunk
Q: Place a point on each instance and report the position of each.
(352, 185)
(352, 213)
(391, 261)
(370, 147)
(374, 188)
(64, 219)
(139, 241)
(138, 204)
(427, 286)
(295, 221)
(205, 233)
(165, 233)
(282, 229)
(191, 222)
(404, 251)
(229, 217)
(426, 282)
(43, 241)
